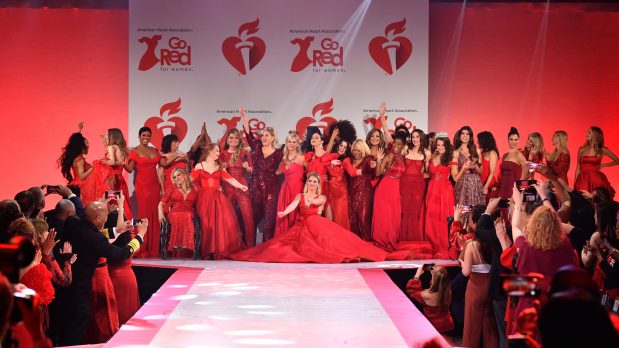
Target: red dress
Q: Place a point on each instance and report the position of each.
(485, 172)
(590, 175)
(221, 235)
(93, 187)
(412, 190)
(181, 216)
(439, 205)
(234, 166)
(291, 187)
(167, 174)
(313, 239)
(338, 191)
(361, 190)
(103, 322)
(560, 165)
(118, 183)
(315, 164)
(146, 182)
(439, 316)
(387, 217)
(125, 289)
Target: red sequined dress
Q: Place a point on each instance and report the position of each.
(338, 191)
(361, 192)
(234, 166)
(387, 217)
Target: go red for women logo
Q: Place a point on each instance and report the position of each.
(390, 52)
(320, 118)
(165, 123)
(256, 126)
(328, 54)
(244, 52)
(175, 53)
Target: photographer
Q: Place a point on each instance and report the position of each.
(435, 300)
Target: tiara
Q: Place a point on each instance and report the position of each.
(441, 135)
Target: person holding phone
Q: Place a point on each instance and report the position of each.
(436, 299)
(235, 158)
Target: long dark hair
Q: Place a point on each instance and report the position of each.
(447, 156)
(74, 148)
(423, 142)
(607, 222)
(307, 143)
(336, 146)
(471, 144)
(486, 142)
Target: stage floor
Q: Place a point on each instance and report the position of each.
(245, 304)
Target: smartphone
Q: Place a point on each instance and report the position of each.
(112, 194)
(525, 184)
(466, 209)
(504, 203)
(428, 266)
(534, 166)
(135, 221)
(52, 189)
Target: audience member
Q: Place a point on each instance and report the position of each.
(436, 299)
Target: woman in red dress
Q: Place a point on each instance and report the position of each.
(435, 300)
(559, 160)
(236, 160)
(144, 160)
(489, 160)
(313, 238)
(115, 157)
(534, 153)
(440, 197)
(513, 167)
(221, 235)
(318, 159)
(361, 190)
(171, 159)
(387, 218)
(413, 187)
(293, 168)
(266, 157)
(338, 186)
(181, 202)
(590, 155)
(377, 139)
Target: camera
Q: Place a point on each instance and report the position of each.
(522, 285)
(112, 194)
(18, 253)
(135, 221)
(51, 189)
(529, 194)
(534, 166)
(504, 203)
(428, 266)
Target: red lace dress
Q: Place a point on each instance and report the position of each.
(412, 191)
(313, 239)
(93, 187)
(439, 316)
(439, 205)
(291, 187)
(338, 191)
(234, 166)
(387, 217)
(590, 175)
(361, 191)
(180, 215)
(560, 165)
(221, 235)
(146, 183)
(103, 322)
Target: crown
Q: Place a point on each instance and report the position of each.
(441, 135)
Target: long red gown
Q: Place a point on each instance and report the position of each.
(560, 166)
(387, 217)
(338, 191)
(147, 194)
(590, 175)
(313, 239)
(361, 192)
(412, 190)
(439, 205)
(181, 213)
(234, 166)
(291, 187)
(264, 185)
(221, 235)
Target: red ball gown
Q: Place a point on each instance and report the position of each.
(361, 191)
(234, 166)
(386, 221)
(147, 194)
(590, 175)
(221, 235)
(338, 191)
(181, 213)
(412, 190)
(291, 187)
(439, 205)
(313, 239)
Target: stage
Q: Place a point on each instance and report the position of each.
(244, 304)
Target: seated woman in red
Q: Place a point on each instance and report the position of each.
(313, 238)
(435, 300)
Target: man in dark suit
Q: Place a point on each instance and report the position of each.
(90, 244)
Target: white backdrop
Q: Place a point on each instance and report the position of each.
(290, 63)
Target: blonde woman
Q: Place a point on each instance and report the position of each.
(312, 238)
(293, 168)
(361, 190)
(178, 207)
(534, 153)
(589, 164)
(559, 159)
(116, 156)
